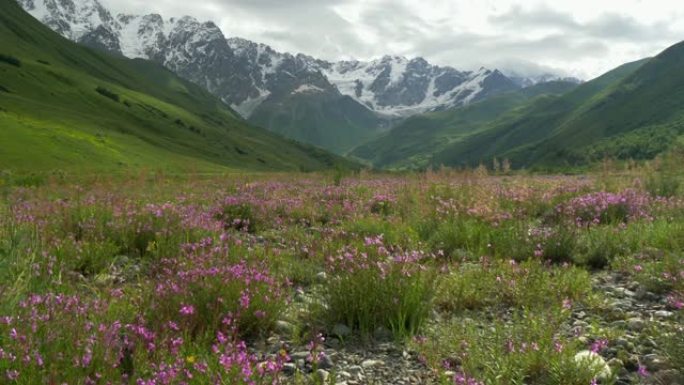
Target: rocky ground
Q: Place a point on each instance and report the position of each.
(641, 314)
(627, 308)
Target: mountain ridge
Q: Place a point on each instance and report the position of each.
(265, 86)
(66, 106)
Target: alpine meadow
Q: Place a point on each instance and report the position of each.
(341, 192)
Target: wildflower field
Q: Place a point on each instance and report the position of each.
(436, 278)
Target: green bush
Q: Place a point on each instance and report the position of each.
(371, 291)
(524, 351)
(664, 179)
(216, 298)
(672, 341)
(598, 247)
(107, 93)
(559, 247)
(502, 284)
(459, 236)
(11, 60)
(239, 216)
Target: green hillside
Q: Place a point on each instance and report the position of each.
(63, 106)
(564, 131)
(332, 121)
(412, 143)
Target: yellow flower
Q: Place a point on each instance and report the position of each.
(190, 359)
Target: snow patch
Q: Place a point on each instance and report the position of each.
(247, 107)
(307, 88)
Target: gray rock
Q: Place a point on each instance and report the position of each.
(645, 295)
(669, 377)
(326, 362)
(382, 334)
(341, 330)
(289, 368)
(663, 314)
(284, 328)
(654, 363)
(322, 375)
(355, 369)
(636, 324)
(371, 363)
(332, 342)
(624, 344)
(344, 375)
(594, 361)
(621, 292)
(321, 277)
(301, 355)
(616, 363)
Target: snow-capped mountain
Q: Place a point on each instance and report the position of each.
(280, 91)
(525, 81)
(244, 74)
(397, 86)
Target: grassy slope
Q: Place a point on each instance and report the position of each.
(633, 112)
(413, 142)
(336, 123)
(52, 117)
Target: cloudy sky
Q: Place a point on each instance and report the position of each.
(573, 37)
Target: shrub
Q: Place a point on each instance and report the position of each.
(659, 272)
(72, 339)
(662, 184)
(27, 180)
(392, 233)
(672, 341)
(502, 284)
(458, 237)
(606, 208)
(524, 351)
(382, 204)
(371, 289)
(664, 180)
(200, 293)
(88, 258)
(11, 60)
(238, 215)
(559, 246)
(56, 333)
(107, 93)
(598, 247)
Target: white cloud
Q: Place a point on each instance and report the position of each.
(578, 37)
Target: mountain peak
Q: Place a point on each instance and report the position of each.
(244, 74)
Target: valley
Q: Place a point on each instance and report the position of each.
(179, 206)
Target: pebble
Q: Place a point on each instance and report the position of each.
(322, 375)
(289, 368)
(326, 362)
(301, 355)
(654, 362)
(669, 377)
(663, 314)
(636, 324)
(371, 363)
(284, 328)
(355, 369)
(321, 277)
(596, 362)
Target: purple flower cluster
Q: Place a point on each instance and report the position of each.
(607, 208)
